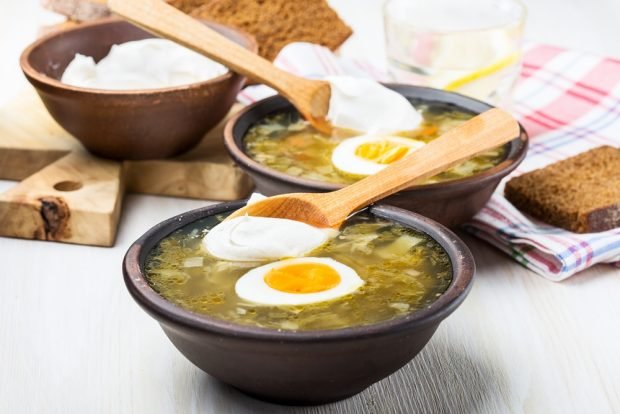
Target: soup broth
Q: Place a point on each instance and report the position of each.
(289, 144)
(403, 271)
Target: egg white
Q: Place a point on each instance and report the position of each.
(345, 160)
(252, 286)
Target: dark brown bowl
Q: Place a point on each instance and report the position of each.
(305, 367)
(450, 203)
(135, 124)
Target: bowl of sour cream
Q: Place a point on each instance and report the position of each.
(128, 95)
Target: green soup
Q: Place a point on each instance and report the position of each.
(403, 271)
(287, 143)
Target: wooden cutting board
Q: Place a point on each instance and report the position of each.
(67, 195)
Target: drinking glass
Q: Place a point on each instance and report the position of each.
(467, 46)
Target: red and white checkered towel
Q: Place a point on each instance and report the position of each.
(568, 102)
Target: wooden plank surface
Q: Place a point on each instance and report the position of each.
(205, 172)
(73, 341)
(42, 156)
(30, 139)
(76, 199)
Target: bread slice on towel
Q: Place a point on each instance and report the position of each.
(580, 194)
(274, 23)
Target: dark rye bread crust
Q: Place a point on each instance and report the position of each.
(274, 23)
(580, 194)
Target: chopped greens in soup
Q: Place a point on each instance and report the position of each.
(402, 271)
(287, 143)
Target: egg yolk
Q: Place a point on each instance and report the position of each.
(382, 152)
(302, 278)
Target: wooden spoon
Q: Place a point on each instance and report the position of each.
(310, 97)
(483, 132)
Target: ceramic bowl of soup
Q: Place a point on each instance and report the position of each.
(415, 273)
(127, 124)
(284, 154)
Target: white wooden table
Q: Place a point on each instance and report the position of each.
(73, 341)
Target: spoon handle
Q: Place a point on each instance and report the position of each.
(168, 22)
(483, 132)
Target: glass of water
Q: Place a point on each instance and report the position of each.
(467, 46)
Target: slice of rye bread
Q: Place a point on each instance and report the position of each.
(580, 194)
(274, 23)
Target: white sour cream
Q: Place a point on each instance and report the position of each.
(249, 239)
(142, 64)
(367, 106)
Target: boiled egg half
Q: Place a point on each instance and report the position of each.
(298, 281)
(369, 154)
